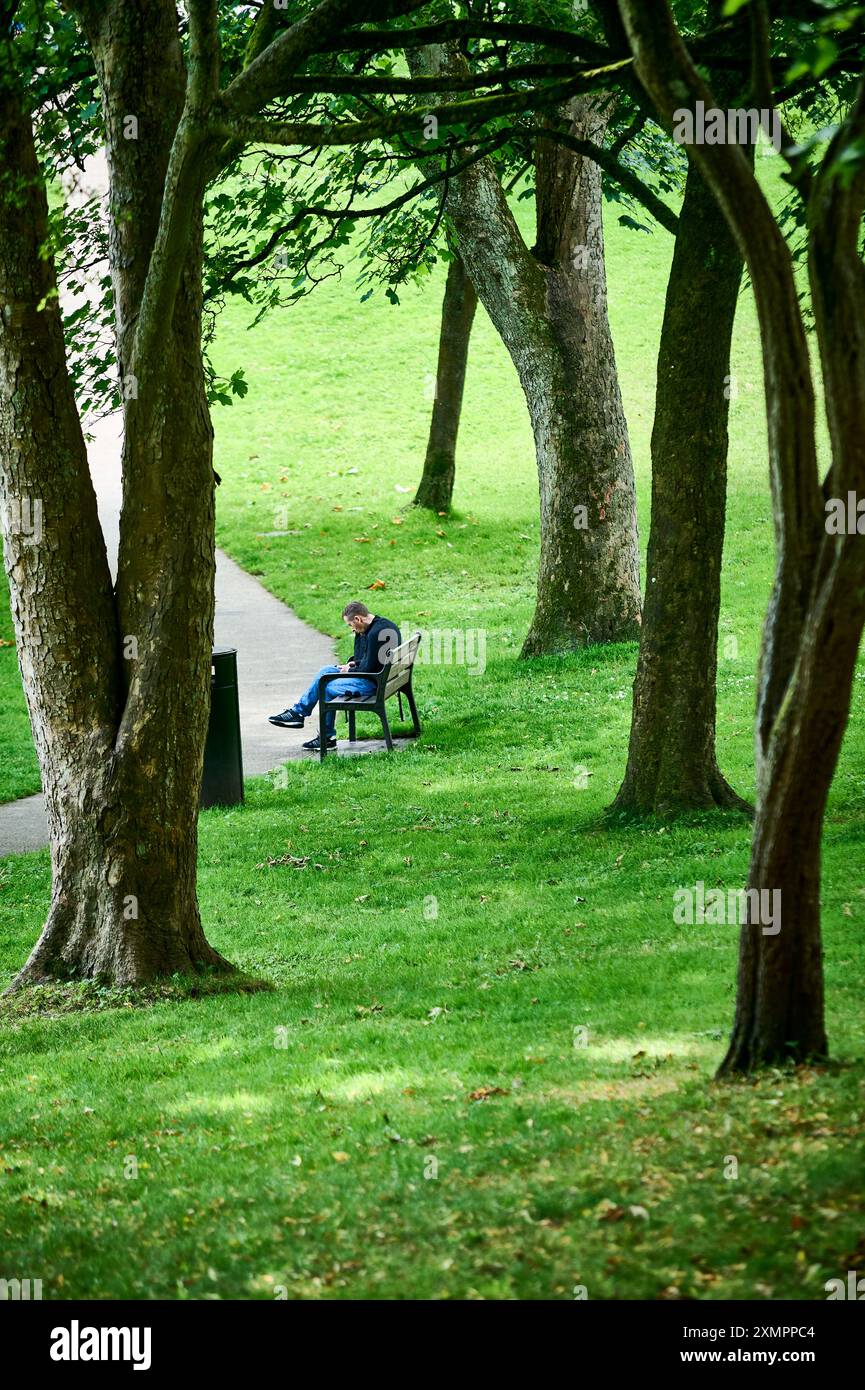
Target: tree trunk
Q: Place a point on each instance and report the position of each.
(779, 1000)
(549, 307)
(118, 689)
(671, 756)
(588, 578)
(435, 490)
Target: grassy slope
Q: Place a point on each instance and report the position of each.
(304, 1165)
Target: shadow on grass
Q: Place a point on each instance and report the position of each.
(54, 999)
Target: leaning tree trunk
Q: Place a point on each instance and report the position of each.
(671, 756)
(117, 687)
(436, 486)
(779, 1004)
(549, 307)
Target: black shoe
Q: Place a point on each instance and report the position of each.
(289, 719)
(314, 744)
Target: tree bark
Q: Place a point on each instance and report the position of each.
(549, 306)
(118, 688)
(436, 486)
(671, 756)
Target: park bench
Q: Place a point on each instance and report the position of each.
(393, 679)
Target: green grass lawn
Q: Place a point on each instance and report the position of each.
(19, 769)
(484, 1069)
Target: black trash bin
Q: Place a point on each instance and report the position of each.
(222, 783)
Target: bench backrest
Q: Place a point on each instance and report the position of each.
(401, 662)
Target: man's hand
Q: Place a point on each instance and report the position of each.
(349, 666)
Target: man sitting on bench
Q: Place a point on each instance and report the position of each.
(374, 640)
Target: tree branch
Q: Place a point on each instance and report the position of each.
(628, 134)
(482, 109)
(263, 80)
(763, 94)
(450, 30)
(204, 55)
(357, 85)
(837, 277)
(352, 214)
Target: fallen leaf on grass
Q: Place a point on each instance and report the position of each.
(340, 1156)
(296, 861)
(609, 1211)
(484, 1092)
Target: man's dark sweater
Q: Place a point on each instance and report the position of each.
(372, 648)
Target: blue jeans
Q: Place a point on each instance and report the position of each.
(309, 699)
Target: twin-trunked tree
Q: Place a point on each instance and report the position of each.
(117, 680)
(817, 609)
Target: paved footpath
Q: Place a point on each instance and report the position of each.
(277, 656)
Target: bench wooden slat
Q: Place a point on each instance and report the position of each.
(397, 681)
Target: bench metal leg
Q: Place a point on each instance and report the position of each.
(409, 695)
(322, 737)
(351, 718)
(386, 729)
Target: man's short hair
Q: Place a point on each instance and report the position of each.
(355, 609)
